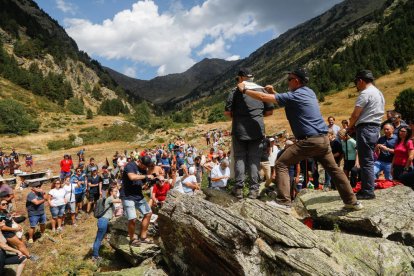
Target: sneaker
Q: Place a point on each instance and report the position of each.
(238, 193)
(282, 207)
(30, 241)
(354, 207)
(78, 217)
(96, 259)
(59, 229)
(252, 194)
(365, 196)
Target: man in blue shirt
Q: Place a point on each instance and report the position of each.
(385, 150)
(305, 119)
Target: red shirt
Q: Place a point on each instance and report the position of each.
(161, 192)
(401, 152)
(66, 165)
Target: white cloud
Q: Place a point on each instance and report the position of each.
(130, 72)
(169, 40)
(66, 7)
(233, 58)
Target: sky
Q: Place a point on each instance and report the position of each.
(144, 39)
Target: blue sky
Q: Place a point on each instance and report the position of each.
(144, 39)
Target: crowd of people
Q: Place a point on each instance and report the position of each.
(360, 150)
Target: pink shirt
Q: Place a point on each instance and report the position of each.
(401, 153)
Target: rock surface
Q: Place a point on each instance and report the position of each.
(390, 215)
(252, 238)
(144, 270)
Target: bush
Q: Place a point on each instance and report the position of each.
(75, 106)
(216, 114)
(15, 118)
(89, 114)
(113, 107)
(404, 104)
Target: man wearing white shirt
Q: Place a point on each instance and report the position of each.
(331, 125)
(220, 174)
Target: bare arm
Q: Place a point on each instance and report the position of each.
(410, 159)
(354, 116)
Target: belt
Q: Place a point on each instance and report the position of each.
(304, 137)
(368, 124)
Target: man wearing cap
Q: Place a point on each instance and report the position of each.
(248, 131)
(366, 119)
(305, 119)
(35, 205)
(134, 180)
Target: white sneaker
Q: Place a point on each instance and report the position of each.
(283, 208)
(354, 207)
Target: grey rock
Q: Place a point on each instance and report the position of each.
(199, 237)
(146, 270)
(78, 141)
(390, 215)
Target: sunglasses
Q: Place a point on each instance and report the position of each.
(403, 130)
(4, 204)
(290, 78)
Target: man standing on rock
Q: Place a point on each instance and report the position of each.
(248, 132)
(134, 180)
(305, 119)
(366, 118)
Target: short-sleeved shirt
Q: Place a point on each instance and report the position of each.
(66, 165)
(70, 192)
(94, 180)
(106, 179)
(349, 149)
(386, 156)
(58, 196)
(111, 208)
(335, 129)
(247, 113)
(218, 171)
(33, 209)
(302, 111)
(189, 179)
(6, 189)
(160, 192)
(81, 178)
(131, 189)
(401, 152)
(372, 102)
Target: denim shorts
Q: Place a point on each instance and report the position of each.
(130, 207)
(63, 174)
(79, 197)
(34, 220)
(57, 211)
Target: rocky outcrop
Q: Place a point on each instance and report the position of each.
(252, 238)
(145, 270)
(390, 215)
(119, 241)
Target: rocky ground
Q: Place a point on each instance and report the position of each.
(249, 237)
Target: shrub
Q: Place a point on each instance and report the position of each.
(15, 118)
(216, 114)
(75, 106)
(89, 114)
(404, 104)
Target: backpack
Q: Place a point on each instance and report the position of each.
(100, 208)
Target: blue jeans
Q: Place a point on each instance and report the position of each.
(102, 228)
(367, 137)
(380, 166)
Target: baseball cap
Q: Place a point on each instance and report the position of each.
(365, 75)
(245, 72)
(301, 73)
(146, 160)
(271, 139)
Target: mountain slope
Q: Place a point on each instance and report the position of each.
(35, 47)
(174, 86)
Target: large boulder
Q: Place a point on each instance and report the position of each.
(390, 215)
(145, 270)
(200, 237)
(252, 238)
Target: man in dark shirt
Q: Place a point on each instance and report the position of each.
(305, 119)
(247, 132)
(134, 180)
(35, 205)
(385, 151)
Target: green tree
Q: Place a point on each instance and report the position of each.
(75, 106)
(404, 104)
(15, 118)
(142, 116)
